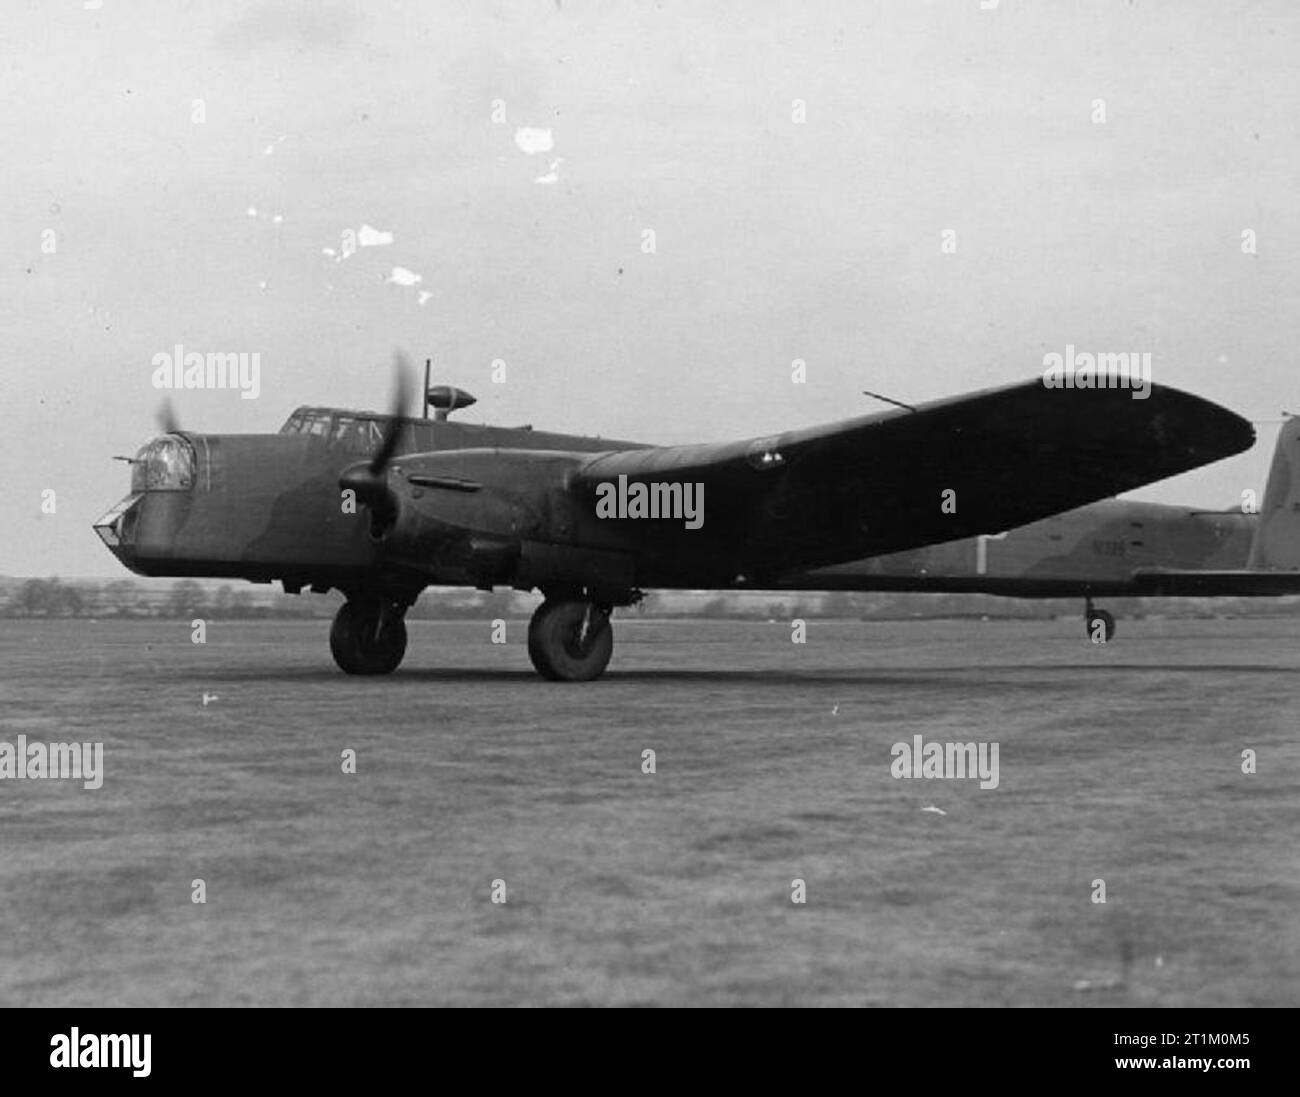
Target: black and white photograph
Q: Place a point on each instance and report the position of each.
(550, 503)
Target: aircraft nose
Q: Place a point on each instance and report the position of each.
(116, 528)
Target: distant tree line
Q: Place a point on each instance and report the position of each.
(127, 598)
(188, 599)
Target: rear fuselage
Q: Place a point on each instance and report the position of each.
(1089, 550)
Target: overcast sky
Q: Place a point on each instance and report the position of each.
(774, 240)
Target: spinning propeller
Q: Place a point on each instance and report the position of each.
(370, 481)
(166, 417)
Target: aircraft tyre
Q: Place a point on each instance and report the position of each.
(367, 638)
(1108, 622)
(570, 641)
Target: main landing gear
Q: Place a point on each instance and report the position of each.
(369, 635)
(1101, 625)
(570, 639)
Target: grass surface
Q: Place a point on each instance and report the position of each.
(773, 762)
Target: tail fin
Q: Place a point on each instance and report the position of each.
(1276, 544)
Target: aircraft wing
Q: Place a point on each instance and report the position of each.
(1169, 583)
(879, 483)
(1153, 582)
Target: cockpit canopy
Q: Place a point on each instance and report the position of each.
(354, 432)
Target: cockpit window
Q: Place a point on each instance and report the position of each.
(306, 421)
(352, 433)
(355, 435)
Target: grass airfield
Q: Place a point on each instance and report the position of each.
(1120, 763)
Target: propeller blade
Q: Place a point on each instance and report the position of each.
(368, 480)
(398, 408)
(168, 421)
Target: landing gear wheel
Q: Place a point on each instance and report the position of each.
(570, 641)
(1107, 622)
(368, 637)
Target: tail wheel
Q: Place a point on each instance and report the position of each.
(368, 637)
(570, 641)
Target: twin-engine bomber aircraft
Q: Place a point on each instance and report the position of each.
(380, 506)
